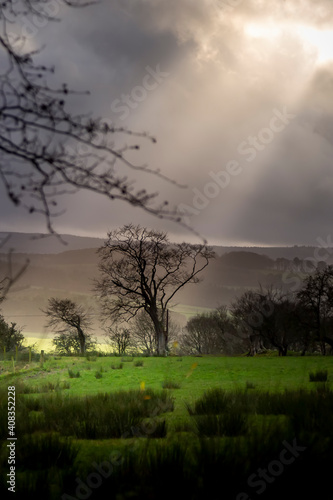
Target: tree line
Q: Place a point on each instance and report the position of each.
(140, 273)
(269, 318)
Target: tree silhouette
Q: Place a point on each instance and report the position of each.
(68, 317)
(141, 270)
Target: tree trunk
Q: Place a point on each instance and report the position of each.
(82, 340)
(159, 332)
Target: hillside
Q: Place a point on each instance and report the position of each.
(72, 273)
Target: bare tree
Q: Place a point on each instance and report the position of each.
(144, 335)
(45, 150)
(269, 318)
(316, 300)
(209, 333)
(141, 270)
(119, 337)
(67, 316)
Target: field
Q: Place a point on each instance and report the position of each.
(163, 427)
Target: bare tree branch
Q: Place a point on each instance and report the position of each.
(44, 149)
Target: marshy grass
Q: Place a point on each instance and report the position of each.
(101, 416)
(73, 374)
(170, 384)
(318, 376)
(119, 366)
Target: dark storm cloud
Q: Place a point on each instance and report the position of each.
(227, 70)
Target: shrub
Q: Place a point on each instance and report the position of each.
(318, 376)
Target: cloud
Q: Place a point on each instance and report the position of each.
(230, 65)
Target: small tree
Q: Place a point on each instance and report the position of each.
(10, 335)
(67, 342)
(118, 337)
(268, 318)
(316, 299)
(143, 333)
(141, 270)
(144, 336)
(68, 318)
(209, 333)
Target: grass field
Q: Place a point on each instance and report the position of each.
(47, 395)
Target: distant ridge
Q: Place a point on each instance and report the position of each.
(47, 244)
(34, 243)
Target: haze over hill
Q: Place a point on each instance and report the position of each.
(36, 243)
(71, 274)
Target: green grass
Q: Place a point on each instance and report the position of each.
(227, 417)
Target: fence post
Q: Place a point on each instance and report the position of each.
(16, 353)
(4, 353)
(13, 364)
(41, 358)
(29, 354)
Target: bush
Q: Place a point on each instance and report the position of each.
(318, 376)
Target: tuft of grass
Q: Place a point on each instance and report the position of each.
(227, 424)
(139, 362)
(73, 374)
(249, 385)
(318, 376)
(213, 402)
(170, 384)
(117, 367)
(98, 374)
(101, 416)
(127, 359)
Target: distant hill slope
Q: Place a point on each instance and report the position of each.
(47, 244)
(34, 243)
(71, 274)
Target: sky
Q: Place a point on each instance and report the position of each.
(238, 94)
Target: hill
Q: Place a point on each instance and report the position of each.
(71, 274)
